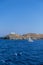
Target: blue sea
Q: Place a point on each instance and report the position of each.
(21, 52)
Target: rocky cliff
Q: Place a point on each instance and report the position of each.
(25, 36)
(13, 36)
(33, 36)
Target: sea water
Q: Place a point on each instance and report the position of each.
(21, 52)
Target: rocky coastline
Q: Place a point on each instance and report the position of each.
(24, 36)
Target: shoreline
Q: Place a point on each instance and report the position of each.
(15, 36)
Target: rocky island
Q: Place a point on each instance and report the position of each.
(24, 36)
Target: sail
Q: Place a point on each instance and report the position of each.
(30, 40)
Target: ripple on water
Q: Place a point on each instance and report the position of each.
(21, 53)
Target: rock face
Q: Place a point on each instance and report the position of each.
(33, 36)
(25, 36)
(13, 36)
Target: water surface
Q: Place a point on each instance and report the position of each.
(21, 52)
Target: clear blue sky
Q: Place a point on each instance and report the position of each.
(21, 16)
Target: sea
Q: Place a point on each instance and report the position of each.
(21, 52)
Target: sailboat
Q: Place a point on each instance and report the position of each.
(30, 40)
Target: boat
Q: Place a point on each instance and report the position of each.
(30, 40)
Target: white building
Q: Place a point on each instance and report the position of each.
(12, 33)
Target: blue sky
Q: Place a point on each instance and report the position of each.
(21, 16)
